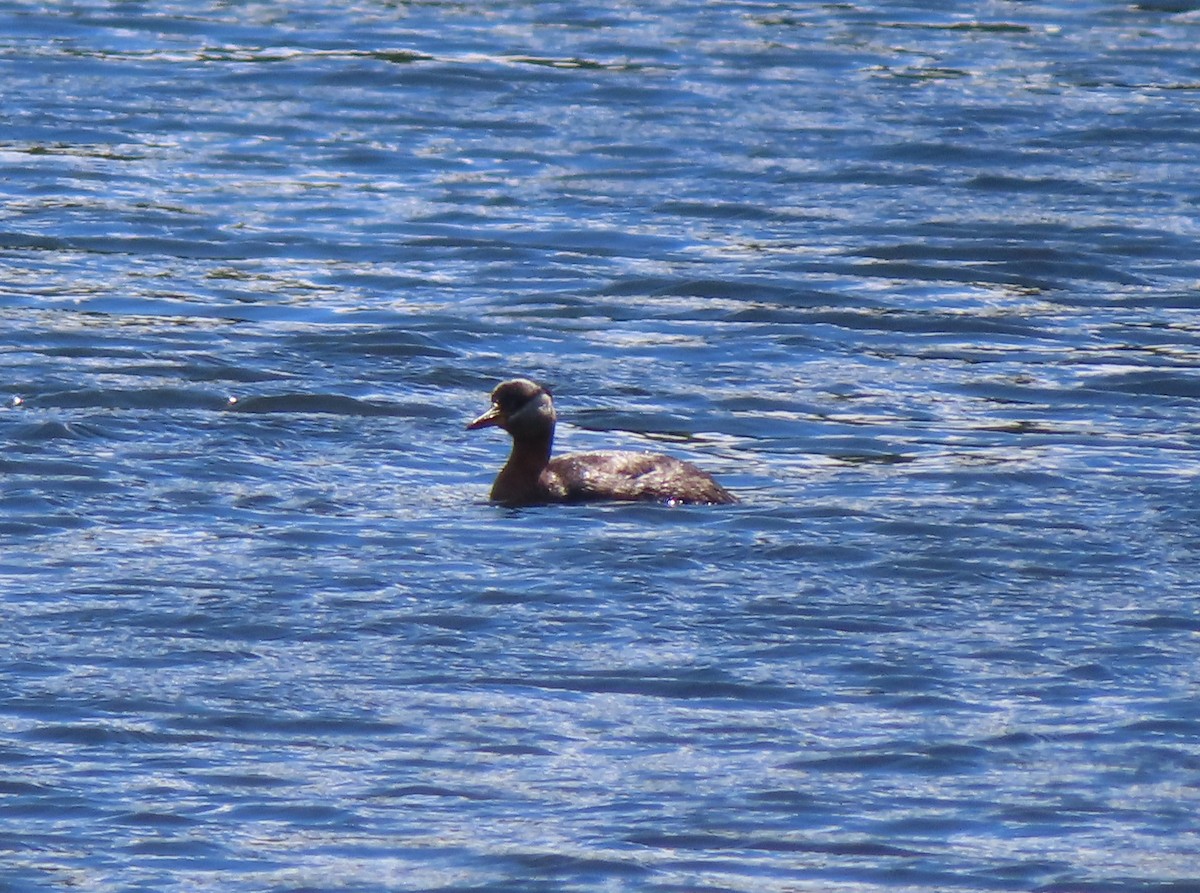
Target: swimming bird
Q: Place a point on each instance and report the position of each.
(525, 410)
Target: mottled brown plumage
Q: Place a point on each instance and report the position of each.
(531, 477)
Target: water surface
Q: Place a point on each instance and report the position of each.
(918, 281)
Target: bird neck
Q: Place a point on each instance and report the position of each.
(518, 480)
(531, 453)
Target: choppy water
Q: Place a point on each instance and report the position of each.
(917, 280)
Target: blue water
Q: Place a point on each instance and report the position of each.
(918, 281)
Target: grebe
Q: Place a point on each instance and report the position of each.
(530, 477)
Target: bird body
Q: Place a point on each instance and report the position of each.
(530, 476)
